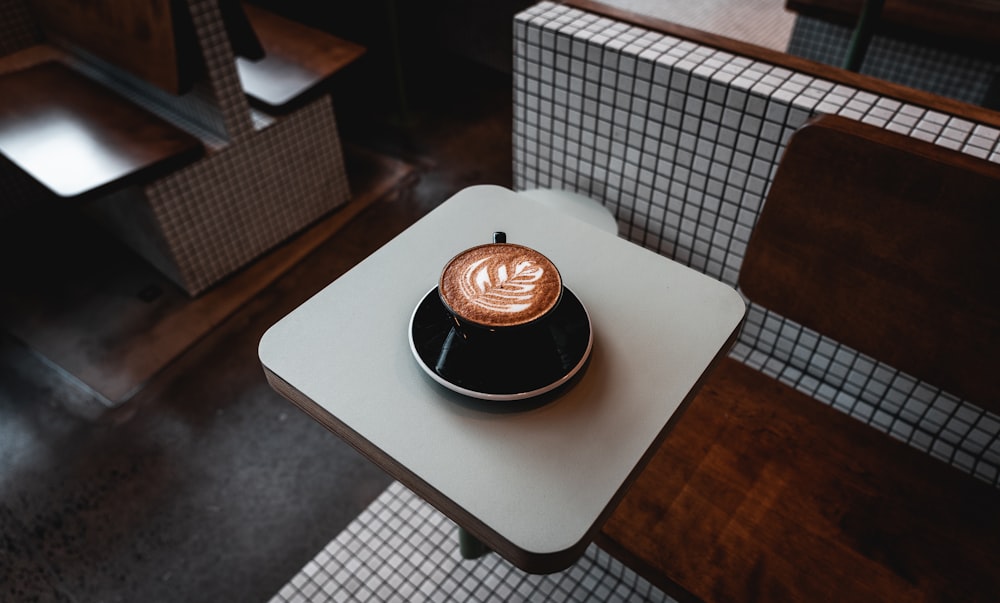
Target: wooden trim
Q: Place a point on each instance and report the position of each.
(834, 74)
(32, 56)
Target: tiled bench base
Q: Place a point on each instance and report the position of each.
(402, 549)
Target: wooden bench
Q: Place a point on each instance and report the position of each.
(297, 60)
(76, 136)
(762, 493)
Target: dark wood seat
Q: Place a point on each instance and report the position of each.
(77, 137)
(297, 60)
(74, 135)
(761, 493)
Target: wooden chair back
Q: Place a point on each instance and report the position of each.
(151, 39)
(888, 245)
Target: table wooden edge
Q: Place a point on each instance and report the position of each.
(534, 563)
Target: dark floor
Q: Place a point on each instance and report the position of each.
(207, 486)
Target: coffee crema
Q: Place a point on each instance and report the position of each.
(500, 285)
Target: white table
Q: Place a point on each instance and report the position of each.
(536, 484)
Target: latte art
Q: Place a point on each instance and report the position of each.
(488, 284)
(500, 285)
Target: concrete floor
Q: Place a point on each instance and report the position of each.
(207, 486)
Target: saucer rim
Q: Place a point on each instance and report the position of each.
(502, 397)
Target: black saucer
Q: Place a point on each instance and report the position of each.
(544, 360)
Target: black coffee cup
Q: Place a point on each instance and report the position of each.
(500, 297)
(500, 287)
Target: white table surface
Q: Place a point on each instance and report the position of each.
(534, 483)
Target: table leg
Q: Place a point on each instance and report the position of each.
(470, 546)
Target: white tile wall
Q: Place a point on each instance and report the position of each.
(682, 141)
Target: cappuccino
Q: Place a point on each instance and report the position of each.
(500, 285)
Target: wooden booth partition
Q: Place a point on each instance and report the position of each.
(152, 40)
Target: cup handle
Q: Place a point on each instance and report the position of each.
(499, 237)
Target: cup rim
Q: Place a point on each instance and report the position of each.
(468, 322)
